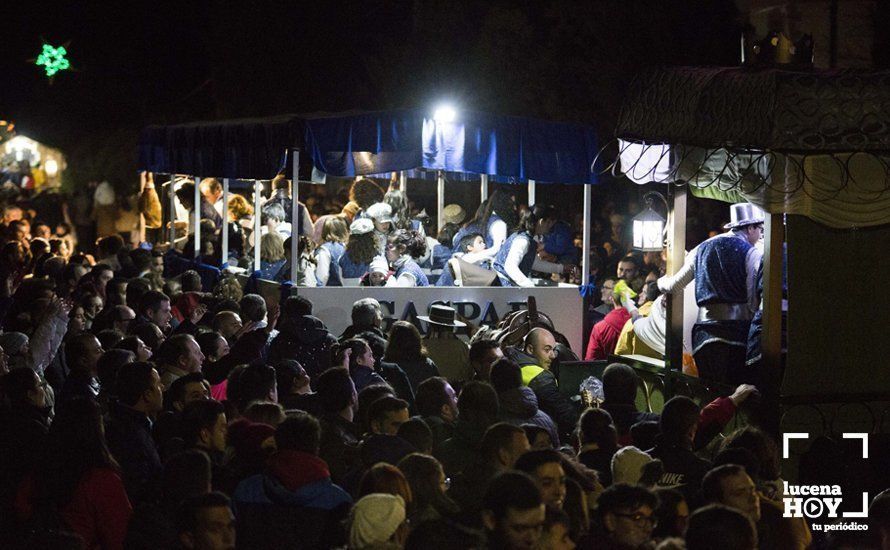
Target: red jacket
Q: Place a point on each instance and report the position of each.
(99, 510)
(604, 335)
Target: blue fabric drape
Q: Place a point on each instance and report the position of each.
(244, 148)
(508, 149)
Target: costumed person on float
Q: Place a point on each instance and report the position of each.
(402, 250)
(724, 268)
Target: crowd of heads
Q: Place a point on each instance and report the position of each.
(147, 411)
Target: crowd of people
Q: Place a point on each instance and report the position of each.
(149, 412)
(375, 239)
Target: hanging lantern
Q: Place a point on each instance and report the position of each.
(648, 227)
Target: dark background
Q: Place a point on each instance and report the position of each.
(138, 63)
(153, 62)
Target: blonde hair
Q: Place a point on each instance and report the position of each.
(238, 207)
(335, 229)
(271, 247)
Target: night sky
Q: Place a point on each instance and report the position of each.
(156, 62)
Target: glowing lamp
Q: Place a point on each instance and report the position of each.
(444, 113)
(51, 167)
(648, 227)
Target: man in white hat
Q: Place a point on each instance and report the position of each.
(724, 268)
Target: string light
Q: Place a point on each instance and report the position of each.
(53, 59)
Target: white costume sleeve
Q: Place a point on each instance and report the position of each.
(681, 278)
(498, 234)
(405, 280)
(322, 265)
(511, 265)
(752, 264)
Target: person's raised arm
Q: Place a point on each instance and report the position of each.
(682, 277)
(498, 233)
(48, 335)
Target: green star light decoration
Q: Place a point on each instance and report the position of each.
(53, 59)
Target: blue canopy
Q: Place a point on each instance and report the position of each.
(252, 148)
(504, 147)
(479, 143)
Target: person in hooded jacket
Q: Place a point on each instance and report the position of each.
(517, 404)
(295, 479)
(302, 338)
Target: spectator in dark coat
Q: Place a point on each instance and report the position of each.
(385, 416)
(302, 338)
(356, 353)
(500, 447)
(167, 429)
(23, 429)
(620, 392)
(83, 352)
(683, 469)
(477, 410)
(138, 390)
(153, 525)
(405, 348)
(204, 428)
(367, 317)
(294, 391)
(437, 406)
(599, 441)
(340, 437)
(517, 404)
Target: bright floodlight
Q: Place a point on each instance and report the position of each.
(444, 113)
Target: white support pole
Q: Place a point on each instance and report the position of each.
(172, 191)
(257, 215)
(403, 182)
(531, 193)
(440, 199)
(483, 188)
(295, 223)
(585, 246)
(197, 217)
(225, 224)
